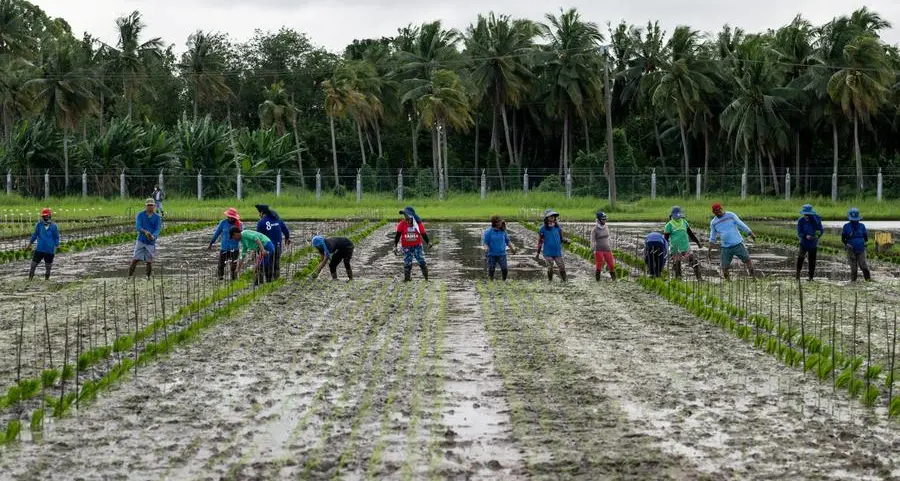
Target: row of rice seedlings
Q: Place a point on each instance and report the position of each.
(435, 385)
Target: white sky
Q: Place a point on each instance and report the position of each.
(335, 23)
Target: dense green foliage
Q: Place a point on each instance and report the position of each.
(504, 94)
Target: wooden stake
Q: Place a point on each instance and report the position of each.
(47, 330)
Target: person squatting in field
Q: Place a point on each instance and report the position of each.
(334, 250)
(809, 230)
(148, 225)
(257, 242)
(679, 234)
(409, 238)
(46, 233)
(494, 242)
(271, 224)
(229, 250)
(550, 242)
(727, 227)
(655, 250)
(854, 236)
(602, 248)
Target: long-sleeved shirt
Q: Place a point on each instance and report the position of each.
(496, 241)
(811, 228)
(248, 242)
(600, 238)
(855, 235)
(728, 229)
(47, 236)
(274, 229)
(224, 230)
(150, 223)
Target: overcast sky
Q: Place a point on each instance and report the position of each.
(335, 23)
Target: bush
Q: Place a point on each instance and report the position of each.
(550, 184)
(424, 185)
(340, 190)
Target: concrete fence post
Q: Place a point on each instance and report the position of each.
(400, 185)
(8, 182)
(358, 185)
(84, 183)
(744, 184)
(441, 185)
(200, 185)
(278, 184)
(161, 180)
(46, 184)
(699, 188)
(787, 185)
(834, 187)
(240, 185)
(879, 190)
(525, 182)
(318, 184)
(122, 184)
(483, 184)
(568, 184)
(653, 184)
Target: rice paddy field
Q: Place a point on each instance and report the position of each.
(184, 376)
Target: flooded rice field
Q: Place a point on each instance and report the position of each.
(454, 378)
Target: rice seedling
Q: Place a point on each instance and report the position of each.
(37, 420)
(13, 428)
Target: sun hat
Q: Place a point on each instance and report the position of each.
(550, 213)
(233, 213)
(807, 209)
(601, 215)
(853, 214)
(677, 213)
(149, 201)
(46, 212)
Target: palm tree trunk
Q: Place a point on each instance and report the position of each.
(66, 156)
(565, 158)
(415, 144)
(834, 135)
(856, 153)
(509, 145)
(494, 141)
(102, 101)
(337, 179)
(299, 152)
(435, 153)
(369, 142)
(521, 146)
(445, 157)
(762, 173)
(684, 146)
(587, 137)
(659, 145)
(378, 138)
(437, 148)
(797, 161)
(775, 182)
(195, 104)
(705, 160)
(127, 93)
(362, 146)
(477, 118)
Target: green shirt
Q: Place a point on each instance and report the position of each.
(678, 236)
(248, 241)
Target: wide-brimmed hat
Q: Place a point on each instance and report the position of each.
(853, 214)
(46, 212)
(149, 201)
(550, 213)
(807, 209)
(408, 211)
(233, 213)
(677, 213)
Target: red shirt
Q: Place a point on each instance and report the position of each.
(410, 236)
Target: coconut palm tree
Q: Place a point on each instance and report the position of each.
(338, 99)
(133, 57)
(646, 54)
(203, 65)
(276, 109)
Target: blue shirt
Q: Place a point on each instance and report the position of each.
(273, 229)
(47, 236)
(496, 240)
(812, 228)
(855, 235)
(150, 223)
(728, 228)
(224, 230)
(552, 237)
(656, 237)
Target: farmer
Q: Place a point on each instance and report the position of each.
(494, 242)
(158, 197)
(334, 250)
(809, 229)
(550, 241)
(727, 227)
(601, 246)
(854, 236)
(409, 238)
(229, 250)
(655, 249)
(679, 234)
(148, 225)
(46, 232)
(275, 229)
(259, 243)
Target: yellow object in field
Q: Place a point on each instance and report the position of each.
(883, 241)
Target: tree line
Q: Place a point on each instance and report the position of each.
(504, 94)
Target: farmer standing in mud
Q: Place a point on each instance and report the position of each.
(158, 197)
(229, 250)
(148, 225)
(494, 242)
(254, 241)
(334, 250)
(727, 227)
(655, 249)
(409, 238)
(601, 247)
(809, 230)
(550, 242)
(46, 233)
(854, 236)
(271, 224)
(679, 234)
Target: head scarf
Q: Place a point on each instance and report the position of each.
(319, 243)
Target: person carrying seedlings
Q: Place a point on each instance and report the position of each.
(46, 233)
(275, 229)
(494, 242)
(655, 249)
(854, 236)
(409, 238)
(158, 197)
(550, 242)
(148, 225)
(601, 247)
(229, 250)
(727, 227)
(679, 234)
(260, 244)
(809, 230)
(334, 250)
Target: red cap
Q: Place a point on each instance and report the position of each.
(716, 206)
(46, 212)
(233, 213)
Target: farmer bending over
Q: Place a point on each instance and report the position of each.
(229, 250)
(550, 241)
(148, 224)
(809, 230)
(602, 249)
(259, 243)
(854, 236)
(494, 242)
(46, 233)
(409, 238)
(727, 227)
(655, 249)
(271, 224)
(678, 232)
(334, 250)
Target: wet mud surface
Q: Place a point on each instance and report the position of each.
(459, 378)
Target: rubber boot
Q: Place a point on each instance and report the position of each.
(597, 275)
(407, 273)
(562, 275)
(867, 275)
(424, 271)
(334, 275)
(149, 269)
(504, 273)
(349, 273)
(677, 269)
(612, 274)
(697, 273)
(47, 273)
(131, 268)
(31, 270)
(550, 275)
(726, 275)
